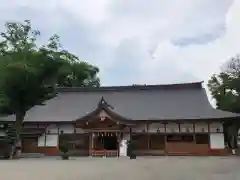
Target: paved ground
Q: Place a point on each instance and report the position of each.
(147, 168)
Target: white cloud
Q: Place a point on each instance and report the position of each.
(205, 59)
(140, 35)
(175, 21)
(92, 11)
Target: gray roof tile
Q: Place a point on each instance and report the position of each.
(160, 102)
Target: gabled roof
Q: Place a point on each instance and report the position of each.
(140, 102)
(103, 106)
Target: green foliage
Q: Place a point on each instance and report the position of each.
(27, 73)
(30, 73)
(63, 146)
(225, 86)
(24, 85)
(225, 89)
(73, 72)
(78, 74)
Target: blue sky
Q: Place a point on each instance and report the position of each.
(138, 41)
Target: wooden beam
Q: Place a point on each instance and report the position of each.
(148, 136)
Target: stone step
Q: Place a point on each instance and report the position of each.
(32, 155)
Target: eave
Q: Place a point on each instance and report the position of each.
(104, 106)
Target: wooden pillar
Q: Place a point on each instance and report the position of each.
(209, 140)
(130, 146)
(130, 133)
(165, 143)
(119, 143)
(91, 143)
(165, 135)
(45, 135)
(194, 133)
(148, 137)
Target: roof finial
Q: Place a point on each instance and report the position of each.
(102, 101)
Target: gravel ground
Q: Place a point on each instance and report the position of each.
(144, 168)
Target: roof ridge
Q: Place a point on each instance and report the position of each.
(132, 87)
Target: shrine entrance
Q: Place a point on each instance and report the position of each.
(105, 144)
(106, 127)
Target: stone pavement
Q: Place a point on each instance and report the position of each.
(143, 168)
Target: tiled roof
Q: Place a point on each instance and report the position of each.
(140, 102)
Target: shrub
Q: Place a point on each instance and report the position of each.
(63, 147)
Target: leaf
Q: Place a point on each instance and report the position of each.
(225, 86)
(29, 73)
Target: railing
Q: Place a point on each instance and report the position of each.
(106, 153)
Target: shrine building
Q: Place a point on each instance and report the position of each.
(174, 119)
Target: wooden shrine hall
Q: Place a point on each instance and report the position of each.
(174, 119)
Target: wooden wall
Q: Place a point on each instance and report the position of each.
(152, 138)
(187, 138)
(200, 127)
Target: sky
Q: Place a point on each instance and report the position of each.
(138, 41)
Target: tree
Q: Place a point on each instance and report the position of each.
(225, 89)
(73, 73)
(78, 74)
(29, 74)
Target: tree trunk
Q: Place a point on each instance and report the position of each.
(18, 125)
